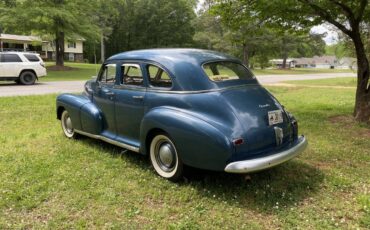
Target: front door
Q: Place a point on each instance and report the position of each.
(10, 65)
(129, 106)
(104, 98)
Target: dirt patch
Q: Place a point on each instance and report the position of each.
(348, 121)
(60, 68)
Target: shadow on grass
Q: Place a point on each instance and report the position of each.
(280, 188)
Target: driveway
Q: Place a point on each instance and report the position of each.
(10, 89)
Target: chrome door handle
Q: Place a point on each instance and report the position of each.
(138, 97)
(109, 93)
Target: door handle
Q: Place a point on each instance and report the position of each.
(138, 97)
(109, 93)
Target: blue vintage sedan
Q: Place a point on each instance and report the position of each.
(181, 107)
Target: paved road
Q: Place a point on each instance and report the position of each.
(10, 89)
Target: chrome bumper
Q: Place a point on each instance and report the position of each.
(269, 161)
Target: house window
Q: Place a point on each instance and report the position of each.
(72, 45)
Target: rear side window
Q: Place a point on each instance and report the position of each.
(10, 58)
(158, 77)
(226, 71)
(131, 75)
(32, 58)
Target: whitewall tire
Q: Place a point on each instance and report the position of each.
(67, 125)
(164, 158)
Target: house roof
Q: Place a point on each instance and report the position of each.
(20, 38)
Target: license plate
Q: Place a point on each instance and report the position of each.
(275, 117)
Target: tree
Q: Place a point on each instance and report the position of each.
(58, 18)
(347, 16)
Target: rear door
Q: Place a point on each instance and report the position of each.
(11, 65)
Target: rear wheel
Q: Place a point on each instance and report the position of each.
(67, 125)
(164, 158)
(27, 78)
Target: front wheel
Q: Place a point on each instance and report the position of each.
(164, 158)
(67, 125)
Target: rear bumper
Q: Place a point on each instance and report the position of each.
(258, 164)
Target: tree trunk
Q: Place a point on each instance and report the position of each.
(245, 55)
(284, 62)
(362, 104)
(102, 48)
(59, 45)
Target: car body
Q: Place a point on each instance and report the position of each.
(181, 107)
(21, 67)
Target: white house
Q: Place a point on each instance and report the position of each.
(290, 63)
(73, 50)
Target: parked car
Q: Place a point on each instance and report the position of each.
(23, 68)
(183, 107)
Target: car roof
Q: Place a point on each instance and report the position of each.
(174, 55)
(184, 64)
(16, 52)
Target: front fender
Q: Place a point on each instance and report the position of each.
(199, 144)
(84, 114)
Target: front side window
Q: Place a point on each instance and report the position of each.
(131, 75)
(158, 77)
(10, 58)
(108, 74)
(226, 71)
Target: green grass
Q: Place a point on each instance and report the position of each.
(48, 181)
(347, 81)
(298, 71)
(82, 72)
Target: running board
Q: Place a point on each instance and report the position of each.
(110, 141)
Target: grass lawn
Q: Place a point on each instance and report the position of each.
(86, 71)
(347, 81)
(48, 181)
(82, 72)
(298, 71)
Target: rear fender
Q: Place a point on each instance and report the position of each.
(198, 143)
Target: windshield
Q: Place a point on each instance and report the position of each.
(226, 71)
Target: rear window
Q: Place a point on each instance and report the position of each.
(32, 57)
(226, 71)
(10, 58)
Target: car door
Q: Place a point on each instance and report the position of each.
(104, 98)
(129, 105)
(11, 65)
(2, 69)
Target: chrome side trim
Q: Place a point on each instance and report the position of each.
(110, 141)
(269, 161)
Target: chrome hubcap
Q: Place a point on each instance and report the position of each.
(68, 123)
(165, 155)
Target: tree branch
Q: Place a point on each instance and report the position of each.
(326, 16)
(347, 10)
(363, 5)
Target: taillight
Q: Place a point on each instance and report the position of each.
(238, 141)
